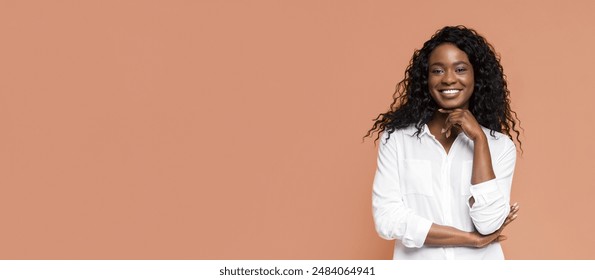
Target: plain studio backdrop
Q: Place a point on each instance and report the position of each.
(233, 129)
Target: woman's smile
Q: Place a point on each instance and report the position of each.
(450, 92)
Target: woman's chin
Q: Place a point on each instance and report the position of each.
(452, 106)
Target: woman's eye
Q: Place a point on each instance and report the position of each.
(459, 70)
(436, 71)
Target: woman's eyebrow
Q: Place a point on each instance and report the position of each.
(454, 63)
(461, 62)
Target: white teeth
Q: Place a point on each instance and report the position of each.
(450, 91)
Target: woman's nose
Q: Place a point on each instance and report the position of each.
(449, 78)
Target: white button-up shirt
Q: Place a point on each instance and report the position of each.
(417, 183)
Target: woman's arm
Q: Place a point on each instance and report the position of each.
(489, 202)
(449, 236)
(482, 163)
(392, 218)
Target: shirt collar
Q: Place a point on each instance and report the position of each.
(411, 129)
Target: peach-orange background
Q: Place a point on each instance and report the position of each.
(232, 129)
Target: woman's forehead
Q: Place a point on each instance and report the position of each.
(448, 53)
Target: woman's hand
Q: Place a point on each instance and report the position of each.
(484, 240)
(464, 120)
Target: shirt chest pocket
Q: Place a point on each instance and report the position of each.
(416, 177)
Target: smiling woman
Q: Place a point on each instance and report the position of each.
(443, 180)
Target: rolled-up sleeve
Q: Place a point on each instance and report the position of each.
(492, 198)
(392, 218)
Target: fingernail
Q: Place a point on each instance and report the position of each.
(515, 204)
(514, 216)
(442, 130)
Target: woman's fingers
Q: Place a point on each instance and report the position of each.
(497, 236)
(463, 120)
(506, 222)
(509, 220)
(448, 111)
(448, 124)
(514, 209)
(453, 119)
(446, 130)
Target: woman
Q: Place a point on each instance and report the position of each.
(446, 157)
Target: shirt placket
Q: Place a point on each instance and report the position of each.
(448, 199)
(446, 189)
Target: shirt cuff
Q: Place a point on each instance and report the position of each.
(481, 191)
(416, 235)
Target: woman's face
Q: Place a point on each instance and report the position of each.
(450, 78)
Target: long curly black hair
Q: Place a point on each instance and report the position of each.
(489, 103)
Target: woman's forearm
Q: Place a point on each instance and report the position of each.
(482, 162)
(449, 236)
